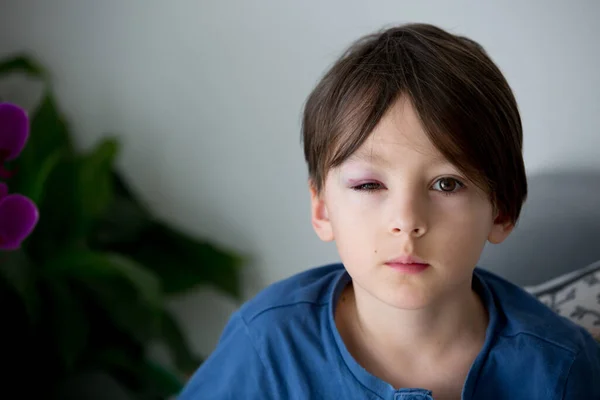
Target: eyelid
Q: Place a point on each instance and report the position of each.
(357, 186)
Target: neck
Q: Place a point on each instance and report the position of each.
(374, 327)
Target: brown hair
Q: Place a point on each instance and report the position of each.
(463, 101)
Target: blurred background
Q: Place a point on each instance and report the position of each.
(203, 101)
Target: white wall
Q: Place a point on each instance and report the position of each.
(208, 96)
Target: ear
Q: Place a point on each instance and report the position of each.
(319, 215)
(500, 230)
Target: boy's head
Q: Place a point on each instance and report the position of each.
(413, 141)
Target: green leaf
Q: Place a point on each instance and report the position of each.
(72, 193)
(46, 172)
(18, 345)
(119, 362)
(173, 338)
(160, 382)
(122, 188)
(49, 130)
(95, 182)
(59, 213)
(122, 222)
(48, 139)
(68, 321)
(17, 269)
(130, 295)
(183, 263)
(34, 188)
(22, 64)
(139, 321)
(88, 265)
(92, 384)
(150, 379)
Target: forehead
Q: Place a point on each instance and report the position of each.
(398, 136)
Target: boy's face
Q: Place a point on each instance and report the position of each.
(398, 197)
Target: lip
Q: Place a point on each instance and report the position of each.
(408, 264)
(407, 260)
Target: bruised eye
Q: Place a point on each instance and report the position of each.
(447, 185)
(368, 187)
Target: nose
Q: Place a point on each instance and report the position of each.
(408, 216)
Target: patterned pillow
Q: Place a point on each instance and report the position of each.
(575, 296)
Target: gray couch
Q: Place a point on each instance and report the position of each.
(558, 232)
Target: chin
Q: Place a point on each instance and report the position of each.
(406, 297)
(408, 302)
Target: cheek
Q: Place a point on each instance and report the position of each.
(470, 212)
(355, 209)
(461, 228)
(355, 223)
(351, 223)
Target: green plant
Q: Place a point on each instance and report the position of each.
(85, 294)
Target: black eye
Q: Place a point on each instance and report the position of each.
(367, 187)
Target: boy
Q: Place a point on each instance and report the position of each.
(413, 142)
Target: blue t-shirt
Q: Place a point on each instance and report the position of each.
(284, 344)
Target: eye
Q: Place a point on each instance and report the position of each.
(368, 187)
(448, 185)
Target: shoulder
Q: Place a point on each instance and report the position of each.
(583, 380)
(269, 340)
(307, 289)
(525, 314)
(572, 353)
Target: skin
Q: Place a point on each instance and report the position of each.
(398, 196)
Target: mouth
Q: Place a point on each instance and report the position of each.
(408, 264)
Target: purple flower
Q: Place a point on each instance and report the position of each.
(14, 131)
(18, 214)
(18, 217)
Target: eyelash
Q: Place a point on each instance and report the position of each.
(367, 187)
